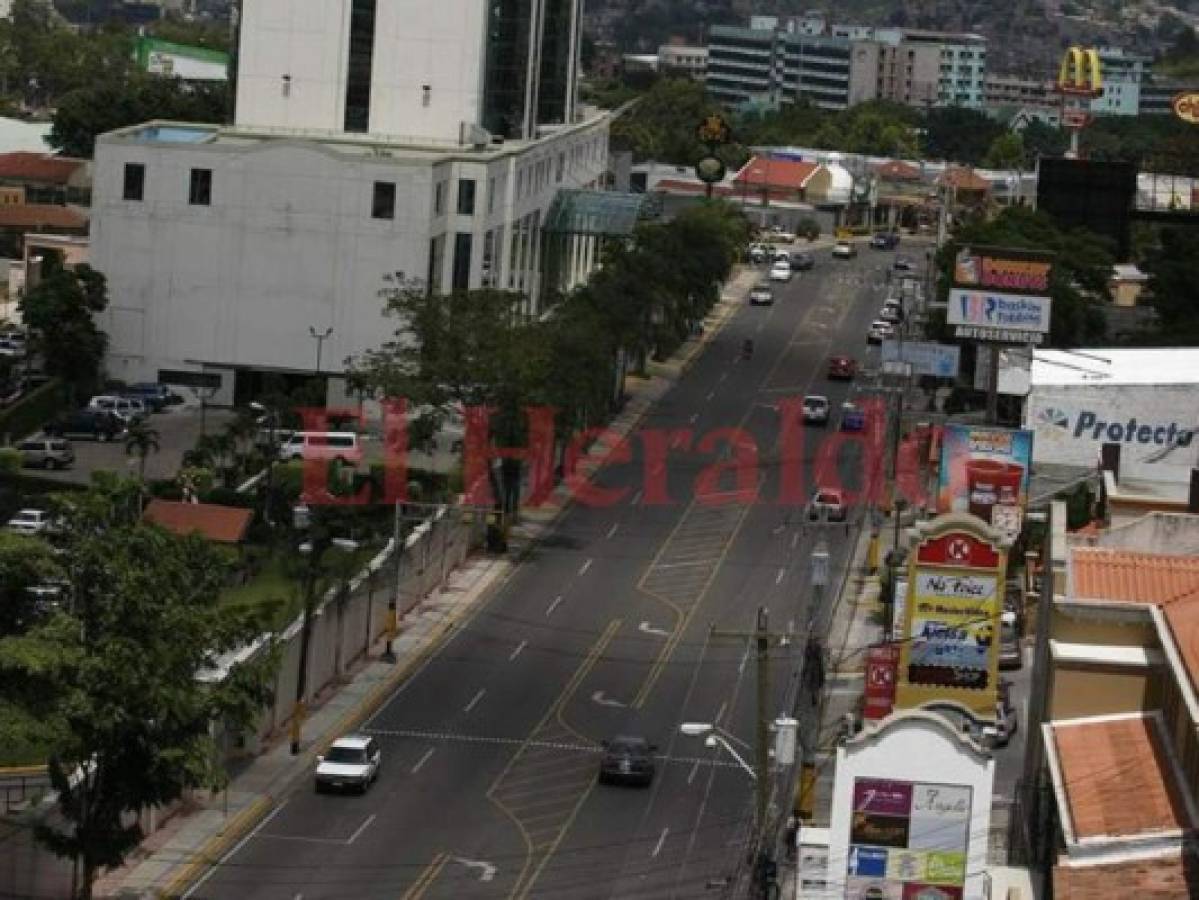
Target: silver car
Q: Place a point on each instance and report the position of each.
(47, 453)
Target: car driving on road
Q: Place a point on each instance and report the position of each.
(842, 367)
(815, 410)
(844, 250)
(780, 271)
(852, 417)
(802, 261)
(351, 762)
(879, 331)
(627, 759)
(762, 294)
(827, 505)
(885, 240)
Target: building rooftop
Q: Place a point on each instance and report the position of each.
(42, 168)
(964, 179)
(898, 170)
(1117, 779)
(16, 134)
(36, 216)
(1158, 366)
(222, 524)
(765, 172)
(1112, 574)
(1168, 876)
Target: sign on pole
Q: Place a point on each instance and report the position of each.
(925, 357)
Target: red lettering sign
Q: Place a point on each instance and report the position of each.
(957, 548)
(882, 668)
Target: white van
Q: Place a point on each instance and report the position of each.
(342, 446)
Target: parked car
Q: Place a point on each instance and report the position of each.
(92, 425)
(1010, 656)
(852, 417)
(47, 453)
(780, 254)
(779, 235)
(827, 505)
(903, 264)
(842, 367)
(802, 261)
(762, 294)
(780, 271)
(156, 396)
(815, 410)
(342, 446)
(627, 760)
(885, 240)
(758, 253)
(891, 312)
(11, 349)
(351, 762)
(29, 521)
(844, 250)
(124, 408)
(879, 331)
(1007, 721)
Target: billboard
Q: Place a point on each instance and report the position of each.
(991, 309)
(882, 664)
(925, 357)
(949, 647)
(908, 839)
(986, 472)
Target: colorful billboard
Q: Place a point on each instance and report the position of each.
(908, 840)
(985, 471)
(1000, 294)
(991, 309)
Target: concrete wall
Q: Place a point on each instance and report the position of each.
(1080, 691)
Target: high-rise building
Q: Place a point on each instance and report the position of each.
(777, 66)
(435, 138)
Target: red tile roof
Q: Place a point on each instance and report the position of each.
(898, 170)
(1117, 778)
(1102, 573)
(1169, 877)
(40, 168)
(223, 524)
(790, 174)
(34, 216)
(675, 186)
(964, 180)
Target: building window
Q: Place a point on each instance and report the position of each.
(199, 192)
(135, 181)
(490, 196)
(460, 277)
(561, 167)
(383, 203)
(358, 71)
(466, 196)
(439, 198)
(436, 252)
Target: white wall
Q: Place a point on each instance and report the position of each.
(911, 748)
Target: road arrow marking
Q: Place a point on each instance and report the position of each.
(646, 628)
(598, 697)
(486, 870)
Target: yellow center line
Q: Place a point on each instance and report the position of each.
(427, 877)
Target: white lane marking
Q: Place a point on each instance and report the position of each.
(361, 828)
(516, 652)
(475, 699)
(711, 394)
(234, 850)
(794, 540)
(778, 579)
(612, 530)
(636, 499)
(583, 568)
(744, 660)
(598, 697)
(720, 714)
(486, 870)
(694, 769)
(420, 763)
(661, 841)
(647, 628)
(554, 605)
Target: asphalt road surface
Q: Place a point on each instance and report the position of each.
(491, 750)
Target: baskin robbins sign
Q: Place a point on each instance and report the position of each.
(1000, 294)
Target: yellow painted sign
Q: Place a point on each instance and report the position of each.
(1186, 107)
(1080, 72)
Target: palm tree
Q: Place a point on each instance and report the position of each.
(141, 440)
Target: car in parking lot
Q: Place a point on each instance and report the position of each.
(46, 453)
(758, 253)
(842, 367)
(815, 410)
(351, 762)
(844, 250)
(780, 271)
(627, 759)
(885, 240)
(852, 417)
(127, 409)
(156, 396)
(903, 264)
(879, 331)
(29, 521)
(827, 505)
(92, 425)
(802, 261)
(762, 294)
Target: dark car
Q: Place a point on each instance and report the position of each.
(155, 396)
(903, 264)
(627, 760)
(87, 424)
(842, 367)
(885, 240)
(802, 260)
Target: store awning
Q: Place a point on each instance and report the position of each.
(604, 213)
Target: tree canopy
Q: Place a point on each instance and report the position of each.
(61, 308)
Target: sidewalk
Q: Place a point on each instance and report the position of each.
(206, 830)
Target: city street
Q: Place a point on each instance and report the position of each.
(491, 749)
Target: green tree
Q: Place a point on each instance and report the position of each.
(1172, 285)
(141, 440)
(118, 673)
(61, 310)
(114, 103)
(1042, 140)
(1006, 152)
(662, 125)
(25, 562)
(961, 135)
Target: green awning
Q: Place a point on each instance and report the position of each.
(605, 213)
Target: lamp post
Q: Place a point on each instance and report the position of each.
(320, 337)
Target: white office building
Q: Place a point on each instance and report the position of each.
(1123, 74)
(431, 138)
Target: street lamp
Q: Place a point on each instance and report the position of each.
(320, 337)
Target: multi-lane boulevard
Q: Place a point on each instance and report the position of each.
(489, 787)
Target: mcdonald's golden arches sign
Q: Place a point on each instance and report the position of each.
(1080, 73)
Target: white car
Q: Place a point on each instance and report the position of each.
(879, 331)
(780, 271)
(844, 250)
(29, 521)
(815, 410)
(891, 312)
(762, 294)
(351, 762)
(124, 408)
